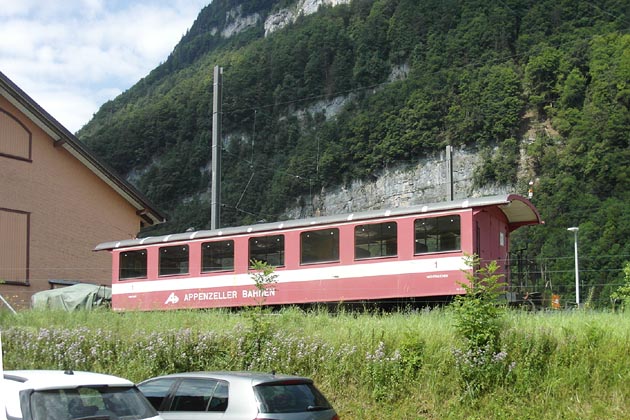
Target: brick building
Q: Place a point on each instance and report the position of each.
(57, 201)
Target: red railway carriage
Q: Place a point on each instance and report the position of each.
(412, 252)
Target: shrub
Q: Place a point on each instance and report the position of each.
(623, 292)
(481, 363)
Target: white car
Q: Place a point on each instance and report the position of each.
(70, 395)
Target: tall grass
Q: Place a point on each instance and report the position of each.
(566, 365)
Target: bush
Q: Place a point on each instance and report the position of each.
(481, 363)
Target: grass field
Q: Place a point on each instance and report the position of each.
(403, 365)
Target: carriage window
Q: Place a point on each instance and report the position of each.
(319, 246)
(133, 264)
(269, 249)
(217, 256)
(173, 260)
(437, 234)
(375, 240)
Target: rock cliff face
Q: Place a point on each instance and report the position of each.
(240, 23)
(402, 186)
(284, 17)
(235, 22)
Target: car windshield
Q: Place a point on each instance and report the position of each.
(90, 402)
(290, 397)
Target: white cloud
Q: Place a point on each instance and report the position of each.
(72, 56)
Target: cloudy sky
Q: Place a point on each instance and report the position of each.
(71, 56)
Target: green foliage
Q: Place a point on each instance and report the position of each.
(541, 75)
(386, 366)
(573, 90)
(264, 278)
(499, 166)
(478, 312)
(623, 292)
(260, 329)
(488, 106)
(531, 353)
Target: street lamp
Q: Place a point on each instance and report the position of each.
(577, 271)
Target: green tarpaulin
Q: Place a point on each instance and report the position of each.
(78, 296)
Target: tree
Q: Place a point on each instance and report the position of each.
(541, 76)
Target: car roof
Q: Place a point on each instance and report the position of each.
(56, 379)
(254, 378)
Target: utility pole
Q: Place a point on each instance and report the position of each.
(449, 173)
(577, 266)
(215, 217)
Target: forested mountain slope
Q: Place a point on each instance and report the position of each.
(545, 82)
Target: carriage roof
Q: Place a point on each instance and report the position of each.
(518, 212)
